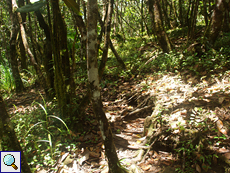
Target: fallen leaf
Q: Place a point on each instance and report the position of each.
(221, 99)
(198, 169)
(85, 156)
(219, 124)
(144, 166)
(223, 150)
(223, 131)
(112, 113)
(94, 154)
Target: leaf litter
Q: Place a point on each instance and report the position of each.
(184, 111)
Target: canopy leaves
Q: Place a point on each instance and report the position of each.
(73, 5)
(31, 7)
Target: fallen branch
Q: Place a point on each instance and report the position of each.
(137, 111)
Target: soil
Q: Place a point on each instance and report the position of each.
(182, 111)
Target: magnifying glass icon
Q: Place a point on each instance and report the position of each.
(9, 160)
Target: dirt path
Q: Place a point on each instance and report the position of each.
(182, 103)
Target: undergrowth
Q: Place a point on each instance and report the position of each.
(42, 136)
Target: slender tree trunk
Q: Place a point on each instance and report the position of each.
(162, 37)
(164, 8)
(150, 4)
(115, 18)
(181, 13)
(193, 19)
(187, 14)
(30, 54)
(205, 12)
(93, 77)
(32, 31)
(216, 21)
(119, 60)
(10, 136)
(13, 58)
(226, 24)
(107, 37)
(22, 54)
(82, 29)
(21, 46)
(48, 63)
(142, 17)
(59, 78)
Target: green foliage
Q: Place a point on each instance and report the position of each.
(6, 82)
(129, 54)
(177, 32)
(35, 129)
(31, 7)
(29, 76)
(192, 156)
(187, 150)
(210, 61)
(164, 62)
(73, 5)
(223, 43)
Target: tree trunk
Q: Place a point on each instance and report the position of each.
(107, 37)
(13, 58)
(30, 32)
(119, 60)
(23, 56)
(93, 78)
(59, 78)
(181, 18)
(30, 54)
(162, 37)
(187, 14)
(216, 21)
(82, 29)
(48, 63)
(205, 12)
(192, 20)
(226, 25)
(174, 24)
(164, 8)
(10, 136)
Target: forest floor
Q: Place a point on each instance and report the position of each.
(190, 118)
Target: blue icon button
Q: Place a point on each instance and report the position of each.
(10, 161)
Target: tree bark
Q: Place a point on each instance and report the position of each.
(48, 63)
(82, 29)
(165, 12)
(119, 60)
(162, 37)
(216, 21)
(192, 20)
(13, 58)
(59, 78)
(93, 78)
(23, 56)
(107, 37)
(226, 24)
(181, 16)
(205, 12)
(10, 136)
(30, 54)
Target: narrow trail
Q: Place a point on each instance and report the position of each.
(181, 102)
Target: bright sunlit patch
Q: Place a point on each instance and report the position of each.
(33, 1)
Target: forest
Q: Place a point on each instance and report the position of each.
(115, 86)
